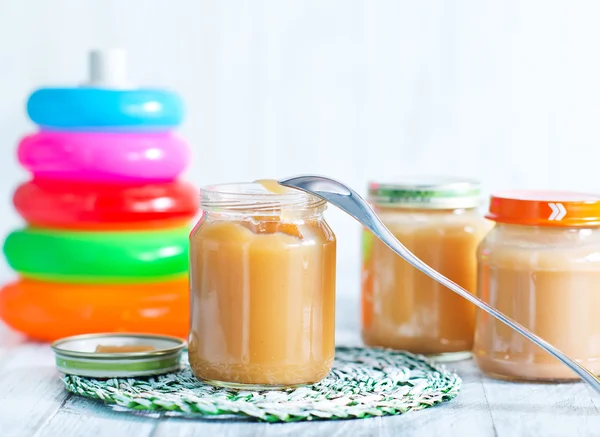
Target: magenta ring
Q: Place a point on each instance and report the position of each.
(104, 157)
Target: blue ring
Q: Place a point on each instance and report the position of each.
(105, 109)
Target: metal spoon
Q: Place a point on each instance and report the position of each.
(349, 201)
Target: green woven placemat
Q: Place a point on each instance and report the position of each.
(364, 382)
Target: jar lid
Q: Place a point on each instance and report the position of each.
(545, 208)
(426, 192)
(118, 355)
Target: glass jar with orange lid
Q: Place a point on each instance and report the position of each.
(262, 279)
(402, 308)
(540, 265)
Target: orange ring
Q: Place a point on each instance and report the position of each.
(49, 311)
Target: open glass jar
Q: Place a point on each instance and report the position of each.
(262, 279)
(402, 308)
(540, 265)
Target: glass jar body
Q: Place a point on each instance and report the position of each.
(547, 279)
(262, 299)
(402, 308)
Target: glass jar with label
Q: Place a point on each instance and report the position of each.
(402, 308)
(540, 265)
(262, 279)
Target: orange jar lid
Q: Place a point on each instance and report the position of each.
(545, 208)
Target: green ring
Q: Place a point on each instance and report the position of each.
(98, 257)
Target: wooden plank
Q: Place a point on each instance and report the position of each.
(85, 417)
(431, 422)
(30, 390)
(528, 409)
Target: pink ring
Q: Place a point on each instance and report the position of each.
(104, 157)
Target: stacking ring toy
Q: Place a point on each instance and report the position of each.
(98, 257)
(104, 157)
(88, 108)
(98, 206)
(47, 311)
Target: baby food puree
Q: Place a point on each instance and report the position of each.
(262, 278)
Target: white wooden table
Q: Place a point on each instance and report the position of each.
(33, 402)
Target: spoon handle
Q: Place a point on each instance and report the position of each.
(350, 202)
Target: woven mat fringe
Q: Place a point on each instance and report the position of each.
(364, 382)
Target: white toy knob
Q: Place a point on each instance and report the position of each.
(108, 68)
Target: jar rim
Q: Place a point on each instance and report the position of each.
(252, 196)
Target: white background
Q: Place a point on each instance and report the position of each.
(504, 91)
